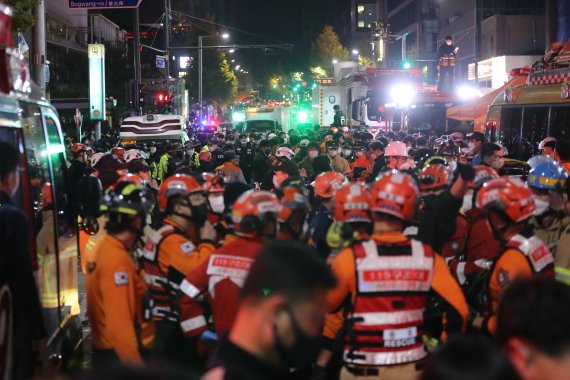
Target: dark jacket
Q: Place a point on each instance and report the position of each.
(17, 273)
(259, 167)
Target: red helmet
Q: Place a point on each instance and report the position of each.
(513, 198)
(483, 174)
(129, 177)
(327, 183)
(178, 184)
(395, 193)
(252, 210)
(213, 183)
(292, 196)
(434, 177)
(352, 203)
(205, 156)
(77, 148)
(118, 152)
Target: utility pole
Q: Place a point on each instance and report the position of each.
(477, 42)
(167, 37)
(39, 46)
(137, 58)
(200, 76)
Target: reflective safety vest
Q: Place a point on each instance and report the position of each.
(385, 324)
(536, 252)
(163, 287)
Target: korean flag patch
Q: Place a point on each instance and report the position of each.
(187, 247)
(121, 278)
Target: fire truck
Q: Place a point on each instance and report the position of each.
(522, 116)
(380, 99)
(31, 124)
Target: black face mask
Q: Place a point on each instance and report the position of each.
(267, 151)
(199, 214)
(303, 352)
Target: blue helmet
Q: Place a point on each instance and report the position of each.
(547, 174)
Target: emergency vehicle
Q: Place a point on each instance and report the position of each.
(30, 123)
(380, 99)
(155, 127)
(522, 116)
(263, 120)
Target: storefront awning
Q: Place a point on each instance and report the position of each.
(476, 110)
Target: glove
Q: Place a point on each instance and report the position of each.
(467, 172)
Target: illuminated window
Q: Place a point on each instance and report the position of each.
(360, 8)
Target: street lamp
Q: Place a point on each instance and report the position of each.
(237, 67)
(224, 36)
(354, 52)
(334, 61)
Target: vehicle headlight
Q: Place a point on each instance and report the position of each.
(403, 95)
(302, 116)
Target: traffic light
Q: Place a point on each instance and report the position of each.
(160, 97)
(406, 65)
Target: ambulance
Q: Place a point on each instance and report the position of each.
(31, 124)
(522, 116)
(153, 127)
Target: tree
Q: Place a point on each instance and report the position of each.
(327, 47)
(366, 61)
(318, 72)
(22, 19)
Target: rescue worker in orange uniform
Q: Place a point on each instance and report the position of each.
(221, 277)
(387, 280)
(293, 210)
(115, 289)
(509, 204)
(170, 254)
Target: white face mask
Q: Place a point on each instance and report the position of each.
(190, 152)
(243, 141)
(333, 152)
(404, 166)
(358, 154)
(467, 202)
(313, 153)
(471, 145)
(452, 165)
(153, 149)
(216, 203)
(347, 152)
(541, 205)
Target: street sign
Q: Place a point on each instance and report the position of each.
(103, 4)
(96, 55)
(160, 62)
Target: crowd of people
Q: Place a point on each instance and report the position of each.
(328, 254)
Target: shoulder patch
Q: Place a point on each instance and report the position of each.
(187, 247)
(503, 278)
(121, 278)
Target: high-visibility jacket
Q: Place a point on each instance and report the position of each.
(521, 258)
(563, 257)
(162, 167)
(169, 255)
(220, 278)
(387, 280)
(115, 292)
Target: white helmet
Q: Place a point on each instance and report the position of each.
(285, 152)
(133, 154)
(95, 158)
(396, 148)
(545, 141)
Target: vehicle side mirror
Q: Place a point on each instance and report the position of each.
(89, 197)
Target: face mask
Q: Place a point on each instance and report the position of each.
(358, 154)
(452, 165)
(404, 166)
(285, 140)
(467, 202)
(303, 352)
(267, 151)
(556, 201)
(152, 150)
(497, 164)
(313, 153)
(344, 129)
(243, 141)
(347, 152)
(216, 203)
(471, 145)
(199, 214)
(333, 152)
(541, 205)
(190, 152)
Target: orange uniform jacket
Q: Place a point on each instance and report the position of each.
(174, 253)
(114, 294)
(511, 265)
(361, 161)
(344, 268)
(221, 278)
